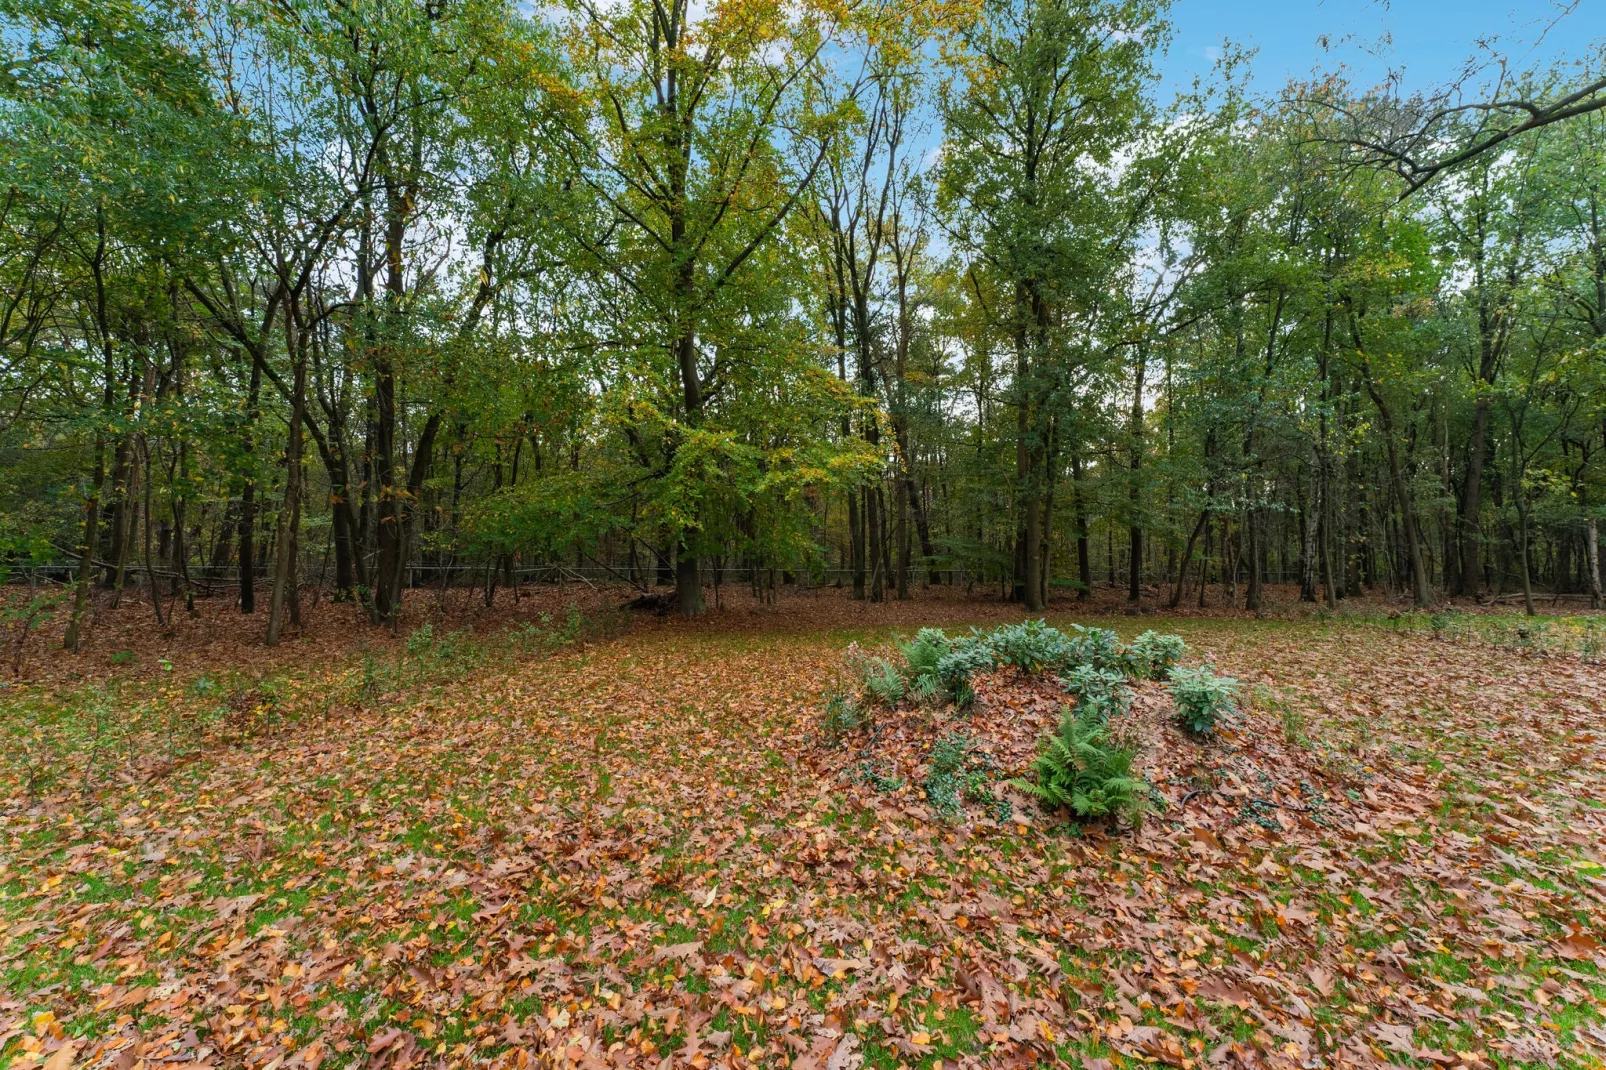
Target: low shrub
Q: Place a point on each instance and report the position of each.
(1100, 693)
(1202, 699)
(1030, 646)
(1152, 655)
(1081, 769)
(1098, 647)
(955, 669)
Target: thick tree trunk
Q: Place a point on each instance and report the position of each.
(688, 585)
(688, 577)
(91, 528)
(289, 515)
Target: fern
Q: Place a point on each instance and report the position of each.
(923, 657)
(1081, 770)
(923, 653)
(883, 683)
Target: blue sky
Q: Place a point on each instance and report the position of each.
(1430, 40)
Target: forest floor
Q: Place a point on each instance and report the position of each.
(556, 835)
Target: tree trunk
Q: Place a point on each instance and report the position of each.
(1134, 588)
(1187, 558)
(289, 515)
(1420, 594)
(1084, 563)
(1594, 567)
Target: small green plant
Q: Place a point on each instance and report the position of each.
(1496, 631)
(881, 683)
(923, 657)
(1030, 646)
(1591, 640)
(445, 656)
(1288, 713)
(1081, 769)
(875, 774)
(945, 769)
(1444, 623)
(956, 669)
(843, 715)
(1533, 636)
(1202, 699)
(421, 643)
(124, 657)
(955, 771)
(1098, 647)
(1100, 693)
(1293, 723)
(1152, 655)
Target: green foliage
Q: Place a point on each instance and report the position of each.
(944, 770)
(935, 666)
(880, 682)
(1031, 646)
(1445, 623)
(447, 656)
(1090, 659)
(957, 667)
(1201, 698)
(1151, 655)
(1081, 769)
(923, 657)
(1591, 640)
(955, 771)
(873, 772)
(1101, 693)
(1532, 636)
(843, 715)
(1098, 647)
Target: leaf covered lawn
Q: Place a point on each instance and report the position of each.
(640, 848)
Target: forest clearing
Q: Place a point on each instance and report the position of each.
(804, 534)
(575, 836)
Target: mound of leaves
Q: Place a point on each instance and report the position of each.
(1039, 725)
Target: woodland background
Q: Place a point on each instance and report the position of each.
(366, 295)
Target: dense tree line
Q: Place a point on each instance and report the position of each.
(361, 294)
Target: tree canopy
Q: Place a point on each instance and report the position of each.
(381, 293)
